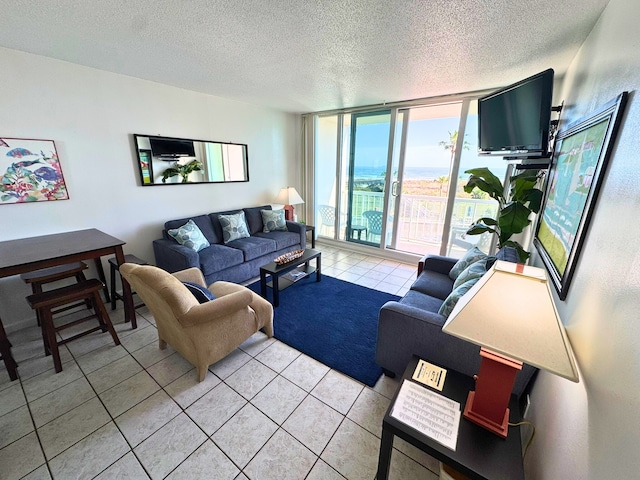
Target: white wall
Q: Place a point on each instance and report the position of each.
(591, 430)
(92, 115)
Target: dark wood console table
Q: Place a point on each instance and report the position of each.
(479, 454)
(29, 254)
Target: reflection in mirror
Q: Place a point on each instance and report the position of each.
(167, 161)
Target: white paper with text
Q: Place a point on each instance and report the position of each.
(430, 413)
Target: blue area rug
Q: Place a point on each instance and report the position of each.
(333, 321)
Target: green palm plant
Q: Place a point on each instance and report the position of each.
(182, 170)
(513, 212)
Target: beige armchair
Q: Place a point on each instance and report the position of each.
(201, 333)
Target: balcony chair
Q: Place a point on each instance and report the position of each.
(202, 333)
(327, 217)
(374, 223)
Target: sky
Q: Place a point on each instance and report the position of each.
(423, 149)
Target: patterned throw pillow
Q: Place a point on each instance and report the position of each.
(273, 220)
(450, 302)
(475, 270)
(203, 295)
(234, 226)
(472, 256)
(190, 236)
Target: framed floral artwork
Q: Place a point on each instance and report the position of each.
(580, 157)
(30, 171)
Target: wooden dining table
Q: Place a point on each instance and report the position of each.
(33, 253)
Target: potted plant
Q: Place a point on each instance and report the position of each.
(513, 212)
(183, 170)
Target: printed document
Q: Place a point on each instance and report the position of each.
(430, 413)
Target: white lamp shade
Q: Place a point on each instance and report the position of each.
(289, 196)
(513, 313)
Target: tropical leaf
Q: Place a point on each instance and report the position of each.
(483, 179)
(522, 253)
(479, 229)
(513, 218)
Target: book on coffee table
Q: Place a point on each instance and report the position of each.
(295, 275)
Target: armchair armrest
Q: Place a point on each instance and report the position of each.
(436, 263)
(173, 257)
(301, 230)
(193, 275)
(220, 307)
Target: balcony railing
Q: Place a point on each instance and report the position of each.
(422, 217)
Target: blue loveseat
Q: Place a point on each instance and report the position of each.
(413, 325)
(236, 261)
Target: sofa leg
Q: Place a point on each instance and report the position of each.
(162, 344)
(202, 372)
(388, 373)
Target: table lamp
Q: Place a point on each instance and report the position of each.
(289, 196)
(510, 313)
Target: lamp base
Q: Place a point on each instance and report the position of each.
(288, 212)
(501, 429)
(488, 405)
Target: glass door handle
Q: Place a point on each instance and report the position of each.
(394, 188)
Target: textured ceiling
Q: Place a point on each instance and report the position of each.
(303, 55)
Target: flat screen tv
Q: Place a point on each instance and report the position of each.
(172, 147)
(516, 119)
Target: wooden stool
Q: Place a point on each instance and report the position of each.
(113, 263)
(5, 354)
(45, 302)
(41, 277)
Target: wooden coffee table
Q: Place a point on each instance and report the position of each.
(276, 271)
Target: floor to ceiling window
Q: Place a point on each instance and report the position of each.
(393, 179)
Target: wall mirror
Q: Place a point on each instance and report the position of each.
(171, 161)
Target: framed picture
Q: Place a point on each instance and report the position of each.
(30, 171)
(579, 162)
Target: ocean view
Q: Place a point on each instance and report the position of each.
(414, 173)
(410, 172)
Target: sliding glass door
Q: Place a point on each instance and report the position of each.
(393, 179)
(367, 177)
(427, 151)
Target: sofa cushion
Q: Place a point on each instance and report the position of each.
(234, 226)
(273, 221)
(434, 284)
(254, 218)
(202, 294)
(419, 300)
(282, 239)
(218, 257)
(472, 256)
(190, 236)
(202, 221)
(253, 247)
(475, 270)
(450, 302)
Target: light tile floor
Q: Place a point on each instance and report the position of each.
(133, 411)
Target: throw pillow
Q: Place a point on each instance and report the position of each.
(472, 256)
(475, 270)
(203, 295)
(273, 220)
(450, 302)
(190, 236)
(234, 226)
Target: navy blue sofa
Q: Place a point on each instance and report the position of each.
(413, 325)
(237, 261)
